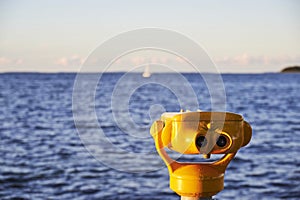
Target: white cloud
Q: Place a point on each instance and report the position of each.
(262, 60)
(19, 61)
(69, 61)
(62, 61)
(4, 61)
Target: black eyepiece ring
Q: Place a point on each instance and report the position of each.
(201, 141)
(222, 141)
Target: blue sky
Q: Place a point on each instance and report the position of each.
(240, 36)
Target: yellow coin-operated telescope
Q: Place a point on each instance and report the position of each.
(199, 133)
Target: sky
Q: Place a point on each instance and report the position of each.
(254, 36)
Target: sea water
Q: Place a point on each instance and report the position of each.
(43, 157)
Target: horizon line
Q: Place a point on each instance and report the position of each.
(123, 72)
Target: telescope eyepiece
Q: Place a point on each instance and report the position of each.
(201, 141)
(222, 141)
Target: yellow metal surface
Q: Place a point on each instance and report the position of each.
(181, 131)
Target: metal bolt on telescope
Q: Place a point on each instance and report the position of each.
(199, 133)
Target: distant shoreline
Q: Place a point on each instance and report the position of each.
(293, 69)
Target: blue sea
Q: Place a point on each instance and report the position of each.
(50, 147)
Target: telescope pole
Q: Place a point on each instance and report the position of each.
(195, 198)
